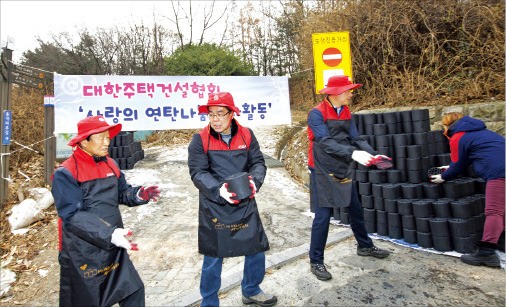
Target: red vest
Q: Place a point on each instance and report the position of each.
(329, 113)
(240, 140)
(87, 169)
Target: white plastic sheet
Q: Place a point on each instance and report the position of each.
(31, 209)
(7, 277)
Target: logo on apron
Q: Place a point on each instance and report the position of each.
(105, 271)
(340, 180)
(231, 227)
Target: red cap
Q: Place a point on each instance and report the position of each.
(92, 125)
(339, 84)
(221, 99)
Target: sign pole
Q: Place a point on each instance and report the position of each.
(50, 141)
(331, 56)
(5, 109)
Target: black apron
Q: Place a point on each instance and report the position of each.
(333, 180)
(227, 230)
(231, 230)
(93, 274)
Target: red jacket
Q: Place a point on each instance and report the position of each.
(87, 194)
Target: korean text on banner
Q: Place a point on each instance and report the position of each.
(166, 102)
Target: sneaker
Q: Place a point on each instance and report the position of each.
(373, 251)
(261, 299)
(320, 271)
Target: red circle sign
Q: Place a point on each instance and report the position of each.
(332, 57)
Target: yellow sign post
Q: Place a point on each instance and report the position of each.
(332, 56)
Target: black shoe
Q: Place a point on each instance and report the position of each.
(484, 255)
(320, 271)
(373, 251)
(500, 243)
(261, 299)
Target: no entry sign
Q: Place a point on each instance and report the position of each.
(332, 57)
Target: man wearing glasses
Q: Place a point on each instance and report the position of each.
(228, 227)
(95, 269)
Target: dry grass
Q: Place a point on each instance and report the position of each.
(412, 52)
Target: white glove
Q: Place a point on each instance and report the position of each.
(362, 157)
(227, 195)
(253, 187)
(436, 179)
(119, 239)
(444, 167)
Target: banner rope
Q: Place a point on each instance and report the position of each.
(9, 179)
(28, 146)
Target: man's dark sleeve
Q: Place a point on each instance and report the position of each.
(358, 141)
(127, 194)
(68, 199)
(92, 229)
(256, 162)
(198, 164)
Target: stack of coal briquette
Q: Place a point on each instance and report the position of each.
(125, 150)
(401, 202)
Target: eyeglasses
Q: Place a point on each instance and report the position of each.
(219, 115)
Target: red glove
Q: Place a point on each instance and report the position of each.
(381, 162)
(253, 187)
(149, 193)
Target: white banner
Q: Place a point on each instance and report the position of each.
(165, 102)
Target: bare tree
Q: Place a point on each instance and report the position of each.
(186, 19)
(208, 20)
(136, 49)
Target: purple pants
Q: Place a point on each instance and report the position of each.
(494, 211)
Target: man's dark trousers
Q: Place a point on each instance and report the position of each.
(320, 228)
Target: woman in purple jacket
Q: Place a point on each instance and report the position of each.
(471, 143)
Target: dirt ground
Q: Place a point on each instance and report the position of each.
(33, 256)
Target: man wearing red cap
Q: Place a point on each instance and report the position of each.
(334, 142)
(95, 269)
(228, 227)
